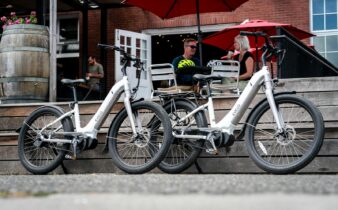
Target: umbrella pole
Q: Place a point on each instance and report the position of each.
(199, 35)
(257, 59)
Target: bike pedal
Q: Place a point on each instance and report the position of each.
(212, 151)
(70, 157)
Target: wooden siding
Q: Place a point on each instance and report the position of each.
(321, 91)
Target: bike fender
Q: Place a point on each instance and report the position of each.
(62, 111)
(190, 102)
(242, 132)
(181, 99)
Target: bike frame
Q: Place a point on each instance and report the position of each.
(93, 126)
(228, 122)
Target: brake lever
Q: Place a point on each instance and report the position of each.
(283, 55)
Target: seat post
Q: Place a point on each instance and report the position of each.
(74, 94)
(209, 88)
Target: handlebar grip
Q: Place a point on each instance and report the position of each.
(248, 33)
(109, 46)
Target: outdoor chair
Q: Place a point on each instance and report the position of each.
(164, 75)
(91, 93)
(228, 69)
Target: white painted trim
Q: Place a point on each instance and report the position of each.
(68, 55)
(186, 29)
(52, 49)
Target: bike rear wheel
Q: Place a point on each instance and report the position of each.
(37, 156)
(143, 152)
(296, 146)
(182, 152)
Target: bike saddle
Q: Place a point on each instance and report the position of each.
(207, 78)
(72, 82)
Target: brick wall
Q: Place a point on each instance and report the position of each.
(135, 19)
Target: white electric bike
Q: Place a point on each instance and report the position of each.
(138, 138)
(283, 132)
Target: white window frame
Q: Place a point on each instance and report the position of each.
(311, 19)
(325, 32)
(144, 90)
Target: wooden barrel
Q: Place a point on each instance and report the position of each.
(24, 64)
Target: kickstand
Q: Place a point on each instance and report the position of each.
(198, 167)
(65, 170)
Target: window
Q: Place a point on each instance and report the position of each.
(68, 37)
(324, 21)
(324, 15)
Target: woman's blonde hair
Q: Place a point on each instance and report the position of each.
(243, 42)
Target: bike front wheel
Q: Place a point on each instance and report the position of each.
(143, 151)
(183, 152)
(36, 155)
(286, 151)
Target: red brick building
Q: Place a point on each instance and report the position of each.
(296, 13)
(316, 16)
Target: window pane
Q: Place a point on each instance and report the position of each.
(332, 43)
(332, 57)
(122, 42)
(331, 21)
(318, 6)
(138, 43)
(68, 30)
(318, 22)
(330, 6)
(319, 43)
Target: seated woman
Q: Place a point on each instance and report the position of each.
(245, 57)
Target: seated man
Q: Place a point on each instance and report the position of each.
(186, 60)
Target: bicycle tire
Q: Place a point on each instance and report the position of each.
(182, 152)
(302, 140)
(42, 157)
(152, 148)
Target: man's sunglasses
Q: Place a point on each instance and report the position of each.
(192, 46)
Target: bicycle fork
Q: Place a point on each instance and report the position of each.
(133, 119)
(269, 95)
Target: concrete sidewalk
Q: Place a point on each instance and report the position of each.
(173, 202)
(162, 191)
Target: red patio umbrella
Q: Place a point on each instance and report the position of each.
(224, 39)
(174, 8)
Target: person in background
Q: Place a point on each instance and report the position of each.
(245, 57)
(95, 73)
(183, 62)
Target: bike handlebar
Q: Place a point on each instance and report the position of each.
(126, 56)
(248, 33)
(258, 34)
(268, 47)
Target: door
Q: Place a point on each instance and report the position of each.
(138, 45)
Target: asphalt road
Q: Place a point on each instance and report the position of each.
(161, 191)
